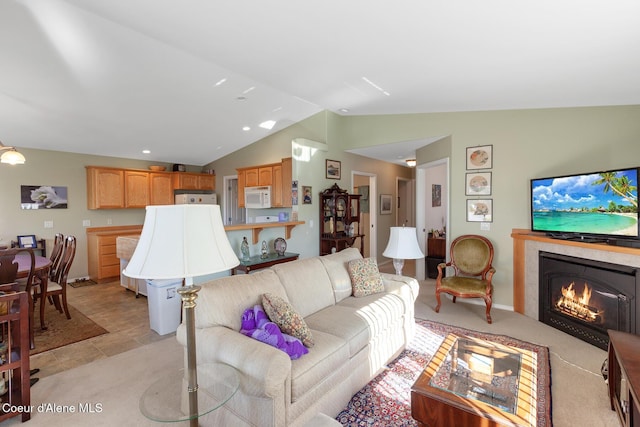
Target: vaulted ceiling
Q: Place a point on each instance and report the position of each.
(183, 78)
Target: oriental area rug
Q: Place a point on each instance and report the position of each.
(62, 331)
(386, 400)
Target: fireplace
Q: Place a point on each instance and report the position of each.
(585, 298)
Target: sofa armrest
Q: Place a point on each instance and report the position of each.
(264, 370)
(404, 284)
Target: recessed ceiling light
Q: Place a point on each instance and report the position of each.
(146, 151)
(269, 124)
(344, 110)
(246, 128)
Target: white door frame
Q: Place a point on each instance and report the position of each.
(373, 208)
(421, 209)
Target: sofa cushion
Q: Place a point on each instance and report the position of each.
(365, 277)
(307, 285)
(338, 271)
(342, 322)
(222, 301)
(379, 311)
(290, 322)
(328, 355)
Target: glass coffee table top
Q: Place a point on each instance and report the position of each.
(167, 400)
(478, 370)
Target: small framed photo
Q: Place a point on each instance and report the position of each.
(480, 210)
(436, 195)
(385, 204)
(333, 169)
(480, 157)
(28, 241)
(307, 197)
(478, 184)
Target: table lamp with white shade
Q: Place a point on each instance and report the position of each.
(183, 241)
(403, 244)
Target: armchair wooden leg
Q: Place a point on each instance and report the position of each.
(487, 301)
(438, 299)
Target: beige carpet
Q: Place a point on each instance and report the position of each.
(578, 391)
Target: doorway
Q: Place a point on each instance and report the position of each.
(432, 204)
(232, 213)
(365, 183)
(405, 212)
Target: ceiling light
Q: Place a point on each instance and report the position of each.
(269, 124)
(246, 128)
(344, 110)
(11, 155)
(146, 151)
(411, 162)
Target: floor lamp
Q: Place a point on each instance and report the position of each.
(403, 244)
(183, 241)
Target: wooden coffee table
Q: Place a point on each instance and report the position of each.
(472, 382)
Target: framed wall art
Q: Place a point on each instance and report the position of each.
(27, 241)
(436, 195)
(385, 204)
(43, 197)
(480, 157)
(480, 210)
(478, 184)
(333, 169)
(306, 195)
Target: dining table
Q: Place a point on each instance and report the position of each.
(41, 270)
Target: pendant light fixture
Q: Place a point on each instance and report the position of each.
(10, 155)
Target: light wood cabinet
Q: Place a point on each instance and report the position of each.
(193, 181)
(161, 188)
(276, 175)
(104, 264)
(105, 188)
(136, 189)
(115, 188)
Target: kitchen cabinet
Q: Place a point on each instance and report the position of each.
(14, 355)
(105, 188)
(104, 264)
(116, 188)
(161, 188)
(340, 215)
(193, 181)
(136, 190)
(276, 175)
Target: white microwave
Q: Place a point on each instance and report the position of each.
(257, 197)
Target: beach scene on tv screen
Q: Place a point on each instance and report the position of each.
(599, 203)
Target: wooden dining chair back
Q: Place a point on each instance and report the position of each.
(57, 288)
(471, 257)
(56, 255)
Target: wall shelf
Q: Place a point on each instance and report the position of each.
(256, 228)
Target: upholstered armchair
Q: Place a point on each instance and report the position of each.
(471, 258)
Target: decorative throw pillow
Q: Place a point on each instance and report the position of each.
(290, 322)
(365, 277)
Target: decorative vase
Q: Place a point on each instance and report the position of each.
(264, 252)
(244, 248)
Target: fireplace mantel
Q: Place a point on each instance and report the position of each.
(527, 244)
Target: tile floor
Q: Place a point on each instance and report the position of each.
(115, 309)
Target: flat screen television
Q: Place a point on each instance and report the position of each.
(596, 206)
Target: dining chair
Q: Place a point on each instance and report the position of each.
(471, 259)
(56, 254)
(9, 280)
(57, 287)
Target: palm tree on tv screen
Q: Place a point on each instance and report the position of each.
(619, 185)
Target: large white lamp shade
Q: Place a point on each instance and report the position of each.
(403, 244)
(181, 241)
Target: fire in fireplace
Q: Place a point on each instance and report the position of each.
(585, 298)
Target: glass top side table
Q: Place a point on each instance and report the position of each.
(166, 400)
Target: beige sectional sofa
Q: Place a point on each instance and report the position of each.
(354, 338)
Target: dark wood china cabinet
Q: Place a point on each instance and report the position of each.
(340, 215)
